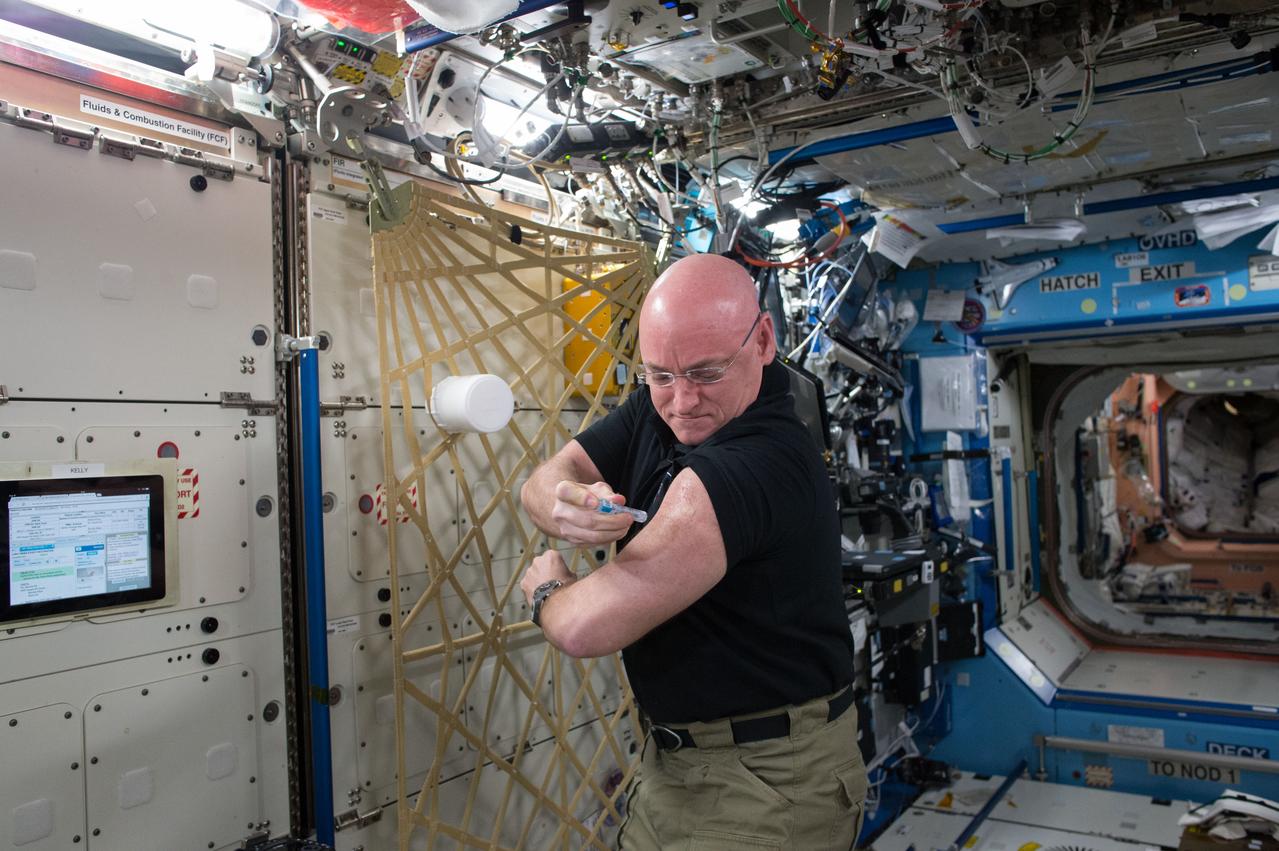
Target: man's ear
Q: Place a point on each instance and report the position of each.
(768, 338)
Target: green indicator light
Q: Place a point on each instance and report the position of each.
(603, 157)
(341, 43)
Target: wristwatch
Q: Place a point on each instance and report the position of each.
(540, 593)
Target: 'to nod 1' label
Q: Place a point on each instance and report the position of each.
(1189, 771)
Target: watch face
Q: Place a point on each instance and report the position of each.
(540, 593)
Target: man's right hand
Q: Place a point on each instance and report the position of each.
(576, 513)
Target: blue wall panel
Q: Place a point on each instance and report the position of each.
(1134, 775)
(1099, 289)
(994, 717)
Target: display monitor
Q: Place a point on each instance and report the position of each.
(77, 545)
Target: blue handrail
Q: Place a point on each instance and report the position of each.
(317, 640)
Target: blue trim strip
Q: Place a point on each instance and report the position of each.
(1006, 473)
(1160, 198)
(1169, 701)
(871, 138)
(1032, 493)
(1080, 701)
(317, 639)
(946, 124)
(1136, 202)
(1138, 325)
(982, 224)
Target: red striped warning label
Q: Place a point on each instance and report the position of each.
(379, 501)
(188, 494)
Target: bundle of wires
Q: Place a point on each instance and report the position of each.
(1090, 50)
(803, 261)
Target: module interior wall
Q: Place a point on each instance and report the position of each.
(130, 299)
(359, 526)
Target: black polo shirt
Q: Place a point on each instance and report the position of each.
(774, 630)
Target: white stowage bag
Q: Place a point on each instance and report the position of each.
(1137, 580)
(1265, 509)
(1188, 509)
(468, 17)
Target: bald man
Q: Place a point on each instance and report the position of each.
(727, 603)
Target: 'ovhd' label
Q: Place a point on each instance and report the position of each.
(1070, 283)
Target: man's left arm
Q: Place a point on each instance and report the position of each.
(667, 567)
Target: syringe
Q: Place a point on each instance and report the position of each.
(607, 507)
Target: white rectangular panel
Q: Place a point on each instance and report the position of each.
(155, 749)
(34, 442)
(228, 546)
(1046, 640)
(340, 260)
(371, 519)
(375, 706)
(42, 785)
(134, 285)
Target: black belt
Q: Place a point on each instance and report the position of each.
(750, 730)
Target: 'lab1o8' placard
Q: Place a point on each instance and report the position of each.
(1070, 283)
(1263, 272)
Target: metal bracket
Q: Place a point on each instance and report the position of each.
(82, 139)
(4, 394)
(257, 839)
(287, 348)
(117, 148)
(255, 407)
(343, 404)
(33, 120)
(354, 818)
(194, 158)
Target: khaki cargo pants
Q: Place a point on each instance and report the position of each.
(802, 792)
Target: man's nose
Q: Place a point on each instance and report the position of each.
(687, 394)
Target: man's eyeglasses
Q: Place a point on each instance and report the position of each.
(698, 375)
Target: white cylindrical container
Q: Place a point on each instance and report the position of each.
(472, 403)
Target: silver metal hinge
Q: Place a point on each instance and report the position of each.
(33, 120)
(194, 158)
(130, 150)
(255, 407)
(82, 139)
(4, 394)
(255, 840)
(343, 404)
(354, 818)
(118, 148)
(151, 147)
